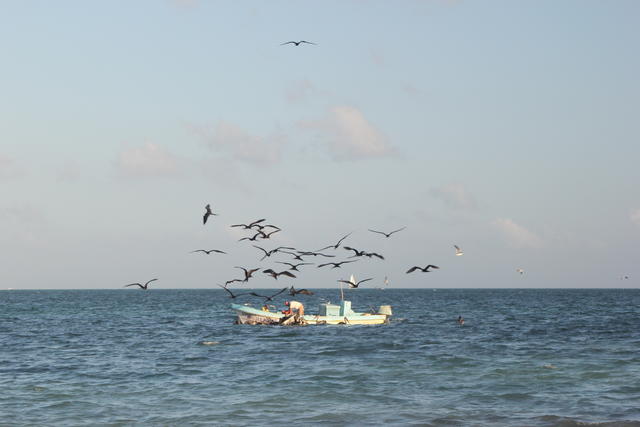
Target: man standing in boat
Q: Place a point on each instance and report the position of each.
(295, 307)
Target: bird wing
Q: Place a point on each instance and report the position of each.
(347, 281)
(286, 273)
(456, 246)
(198, 250)
(204, 218)
(269, 271)
(431, 266)
(133, 284)
(152, 280)
(364, 280)
(395, 231)
(304, 41)
(322, 265)
(279, 292)
(282, 44)
(263, 250)
(257, 222)
(412, 269)
(379, 232)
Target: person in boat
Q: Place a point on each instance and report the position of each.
(460, 320)
(295, 307)
(265, 307)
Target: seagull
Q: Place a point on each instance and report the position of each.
(355, 284)
(294, 267)
(335, 264)
(269, 298)
(296, 43)
(293, 291)
(208, 252)
(336, 245)
(207, 214)
(232, 295)
(387, 234)
(248, 273)
(519, 270)
(275, 275)
(250, 225)
(458, 250)
(424, 270)
(145, 286)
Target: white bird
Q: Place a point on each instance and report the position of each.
(458, 250)
(519, 270)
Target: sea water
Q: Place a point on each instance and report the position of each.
(544, 357)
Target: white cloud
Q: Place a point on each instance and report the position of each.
(635, 216)
(348, 135)
(229, 138)
(148, 160)
(516, 235)
(454, 196)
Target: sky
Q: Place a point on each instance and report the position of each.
(510, 129)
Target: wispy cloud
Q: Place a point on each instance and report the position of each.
(348, 135)
(148, 160)
(231, 139)
(454, 196)
(516, 235)
(635, 216)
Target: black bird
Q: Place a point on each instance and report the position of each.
(275, 275)
(232, 295)
(311, 253)
(269, 298)
(373, 254)
(145, 286)
(207, 214)
(356, 252)
(272, 251)
(267, 235)
(248, 273)
(293, 291)
(336, 245)
(228, 282)
(295, 256)
(356, 284)
(296, 43)
(253, 239)
(335, 264)
(424, 270)
(250, 225)
(209, 251)
(387, 234)
(294, 267)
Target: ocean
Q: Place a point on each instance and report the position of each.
(524, 357)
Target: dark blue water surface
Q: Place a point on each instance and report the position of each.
(175, 357)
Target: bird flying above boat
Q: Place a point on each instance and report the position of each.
(269, 298)
(145, 286)
(207, 214)
(293, 291)
(297, 43)
(248, 273)
(275, 275)
(336, 245)
(424, 270)
(458, 250)
(294, 267)
(353, 284)
(232, 295)
(335, 264)
(387, 234)
(208, 251)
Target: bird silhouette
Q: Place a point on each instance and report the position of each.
(354, 284)
(145, 286)
(272, 251)
(207, 214)
(296, 43)
(248, 273)
(335, 264)
(270, 297)
(294, 267)
(228, 282)
(424, 270)
(387, 234)
(208, 251)
(253, 239)
(250, 225)
(458, 250)
(293, 292)
(336, 246)
(232, 295)
(275, 275)
(312, 253)
(519, 270)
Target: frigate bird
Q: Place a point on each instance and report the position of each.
(250, 225)
(387, 234)
(353, 284)
(208, 251)
(270, 297)
(336, 246)
(275, 275)
(296, 43)
(248, 273)
(335, 264)
(294, 267)
(232, 295)
(424, 270)
(207, 214)
(293, 292)
(145, 286)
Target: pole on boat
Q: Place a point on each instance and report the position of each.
(341, 293)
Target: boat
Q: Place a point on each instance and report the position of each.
(328, 314)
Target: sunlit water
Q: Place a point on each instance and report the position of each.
(175, 357)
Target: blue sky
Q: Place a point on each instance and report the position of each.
(507, 128)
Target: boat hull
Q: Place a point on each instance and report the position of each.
(252, 316)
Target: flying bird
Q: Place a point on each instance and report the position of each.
(353, 284)
(458, 250)
(145, 286)
(311, 253)
(424, 270)
(387, 234)
(275, 275)
(519, 270)
(294, 267)
(232, 295)
(296, 43)
(269, 298)
(253, 239)
(250, 225)
(209, 251)
(248, 273)
(207, 214)
(293, 291)
(336, 245)
(335, 264)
